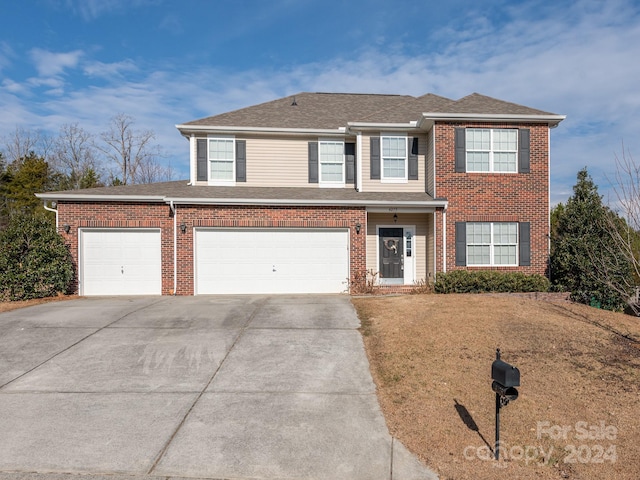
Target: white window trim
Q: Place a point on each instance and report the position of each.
(491, 248)
(328, 184)
(406, 159)
(410, 263)
(491, 152)
(216, 182)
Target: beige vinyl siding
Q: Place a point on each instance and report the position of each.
(369, 185)
(281, 162)
(423, 240)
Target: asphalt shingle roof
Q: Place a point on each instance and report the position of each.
(334, 110)
(180, 189)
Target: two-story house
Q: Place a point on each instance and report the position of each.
(306, 193)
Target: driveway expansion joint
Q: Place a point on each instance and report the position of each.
(260, 304)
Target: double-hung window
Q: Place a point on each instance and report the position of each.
(491, 244)
(221, 159)
(394, 158)
(331, 155)
(492, 149)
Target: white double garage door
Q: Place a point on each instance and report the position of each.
(226, 261)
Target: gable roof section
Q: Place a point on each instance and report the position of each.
(338, 111)
(476, 103)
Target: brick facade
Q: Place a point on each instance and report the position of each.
(494, 197)
(158, 215)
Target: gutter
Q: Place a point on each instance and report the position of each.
(231, 129)
(54, 210)
(551, 120)
(70, 197)
(294, 202)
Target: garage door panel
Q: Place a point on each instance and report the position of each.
(271, 261)
(121, 262)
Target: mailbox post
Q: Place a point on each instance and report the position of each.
(505, 378)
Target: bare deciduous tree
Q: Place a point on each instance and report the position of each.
(151, 171)
(74, 154)
(623, 229)
(131, 151)
(21, 142)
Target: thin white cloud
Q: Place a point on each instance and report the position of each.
(172, 24)
(50, 64)
(6, 54)
(109, 70)
(92, 9)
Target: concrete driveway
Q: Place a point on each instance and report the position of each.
(271, 387)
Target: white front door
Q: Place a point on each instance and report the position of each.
(120, 262)
(271, 260)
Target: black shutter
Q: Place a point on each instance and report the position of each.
(461, 244)
(413, 158)
(241, 160)
(524, 150)
(201, 160)
(524, 235)
(375, 158)
(350, 162)
(313, 162)
(461, 150)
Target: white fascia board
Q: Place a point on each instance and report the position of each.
(551, 120)
(288, 131)
(401, 209)
(70, 197)
(290, 202)
(382, 126)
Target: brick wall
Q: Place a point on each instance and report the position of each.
(157, 215)
(495, 197)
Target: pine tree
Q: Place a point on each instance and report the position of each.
(580, 231)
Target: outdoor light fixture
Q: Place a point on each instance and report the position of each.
(358, 227)
(66, 228)
(183, 227)
(395, 218)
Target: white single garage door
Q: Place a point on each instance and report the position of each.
(120, 262)
(271, 261)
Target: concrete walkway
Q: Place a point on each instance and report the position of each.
(239, 387)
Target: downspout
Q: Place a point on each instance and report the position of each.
(54, 210)
(175, 248)
(444, 240)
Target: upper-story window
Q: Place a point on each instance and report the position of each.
(221, 159)
(332, 163)
(394, 157)
(492, 150)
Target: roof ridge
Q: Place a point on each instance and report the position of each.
(362, 94)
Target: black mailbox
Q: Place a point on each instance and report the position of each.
(505, 374)
(505, 378)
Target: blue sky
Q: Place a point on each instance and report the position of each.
(167, 62)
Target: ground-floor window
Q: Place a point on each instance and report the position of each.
(492, 243)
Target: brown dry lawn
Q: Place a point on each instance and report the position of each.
(578, 414)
